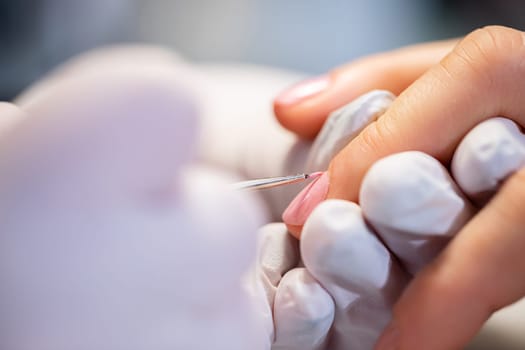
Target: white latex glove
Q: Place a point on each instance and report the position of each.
(110, 239)
(415, 206)
(345, 255)
(302, 310)
(488, 154)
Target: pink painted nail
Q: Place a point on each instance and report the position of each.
(389, 340)
(305, 202)
(302, 90)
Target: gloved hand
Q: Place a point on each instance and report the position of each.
(293, 295)
(441, 102)
(356, 280)
(414, 205)
(103, 239)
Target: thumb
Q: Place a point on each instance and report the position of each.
(480, 272)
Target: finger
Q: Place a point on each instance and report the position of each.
(303, 312)
(278, 252)
(414, 205)
(479, 272)
(346, 257)
(304, 107)
(479, 79)
(490, 152)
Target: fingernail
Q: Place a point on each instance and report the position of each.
(389, 340)
(304, 89)
(305, 202)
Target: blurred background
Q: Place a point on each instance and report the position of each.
(303, 35)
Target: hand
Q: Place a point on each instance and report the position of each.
(343, 298)
(350, 121)
(473, 277)
(298, 308)
(103, 245)
(304, 107)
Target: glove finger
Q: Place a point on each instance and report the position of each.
(278, 252)
(414, 206)
(350, 262)
(344, 124)
(303, 312)
(488, 155)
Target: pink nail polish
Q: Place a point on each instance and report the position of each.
(389, 340)
(305, 202)
(302, 90)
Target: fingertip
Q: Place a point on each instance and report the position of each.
(303, 312)
(304, 119)
(304, 107)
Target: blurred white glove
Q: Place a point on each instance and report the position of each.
(110, 238)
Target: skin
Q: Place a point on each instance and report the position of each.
(447, 90)
(392, 71)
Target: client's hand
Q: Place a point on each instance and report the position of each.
(343, 296)
(481, 77)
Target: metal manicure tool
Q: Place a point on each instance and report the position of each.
(270, 182)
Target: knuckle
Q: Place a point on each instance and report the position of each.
(374, 137)
(492, 43)
(483, 52)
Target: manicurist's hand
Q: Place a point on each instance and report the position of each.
(482, 269)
